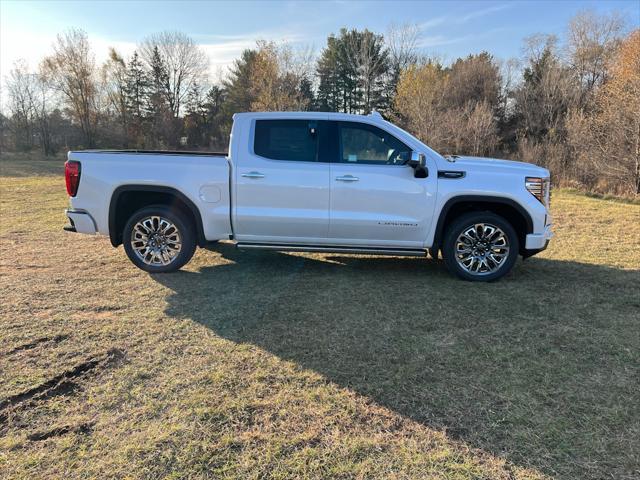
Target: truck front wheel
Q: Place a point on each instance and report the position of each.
(480, 246)
(158, 239)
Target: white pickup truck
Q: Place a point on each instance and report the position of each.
(317, 182)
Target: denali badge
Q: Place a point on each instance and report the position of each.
(398, 224)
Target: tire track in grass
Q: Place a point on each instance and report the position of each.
(36, 342)
(62, 384)
(83, 428)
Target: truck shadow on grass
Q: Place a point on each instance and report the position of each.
(540, 368)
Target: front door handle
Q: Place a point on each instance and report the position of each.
(253, 175)
(347, 178)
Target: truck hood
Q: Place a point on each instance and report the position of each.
(472, 164)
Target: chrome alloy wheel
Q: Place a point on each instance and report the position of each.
(481, 249)
(156, 241)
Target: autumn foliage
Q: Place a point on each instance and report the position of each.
(572, 106)
(607, 139)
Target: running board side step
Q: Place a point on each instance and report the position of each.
(332, 249)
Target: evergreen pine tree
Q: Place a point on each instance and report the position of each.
(159, 83)
(137, 88)
(306, 93)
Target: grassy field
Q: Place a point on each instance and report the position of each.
(270, 365)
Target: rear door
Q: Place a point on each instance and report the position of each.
(375, 198)
(282, 183)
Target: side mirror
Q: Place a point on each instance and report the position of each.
(419, 163)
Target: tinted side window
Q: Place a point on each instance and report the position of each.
(294, 140)
(362, 143)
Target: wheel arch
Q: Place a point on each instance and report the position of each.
(127, 199)
(507, 208)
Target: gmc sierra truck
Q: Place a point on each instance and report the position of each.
(313, 182)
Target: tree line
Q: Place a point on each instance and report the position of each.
(570, 106)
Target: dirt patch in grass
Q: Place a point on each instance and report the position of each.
(271, 365)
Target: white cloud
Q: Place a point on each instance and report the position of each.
(483, 12)
(224, 49)
(458, 20)
(224, 53)
(440, 40)
(434, 22)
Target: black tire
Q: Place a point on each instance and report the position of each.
(462, 224)
(182, 224)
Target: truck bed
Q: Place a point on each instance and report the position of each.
(109, 179)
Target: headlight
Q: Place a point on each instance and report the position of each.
(538, 187)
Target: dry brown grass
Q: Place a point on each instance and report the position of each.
(276, 365)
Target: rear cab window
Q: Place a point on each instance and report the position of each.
(290, 140)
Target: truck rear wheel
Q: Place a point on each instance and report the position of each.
(480, 246)
(158, 239)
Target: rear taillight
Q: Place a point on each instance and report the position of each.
(72, 176)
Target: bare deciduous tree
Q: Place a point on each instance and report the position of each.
(509, 71)
(30, 104)
(72, 71)
(21, 87)
(185, 61)
(114, 77)
(402, 44)
(537, 45)
(592, 39)
(44, 103)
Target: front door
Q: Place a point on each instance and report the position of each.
(375, 198)
(282, 184)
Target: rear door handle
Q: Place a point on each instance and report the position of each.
(347, 178)
(253, 175)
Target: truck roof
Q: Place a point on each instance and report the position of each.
(332, 115)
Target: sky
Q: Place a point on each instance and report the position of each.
(223, 29)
